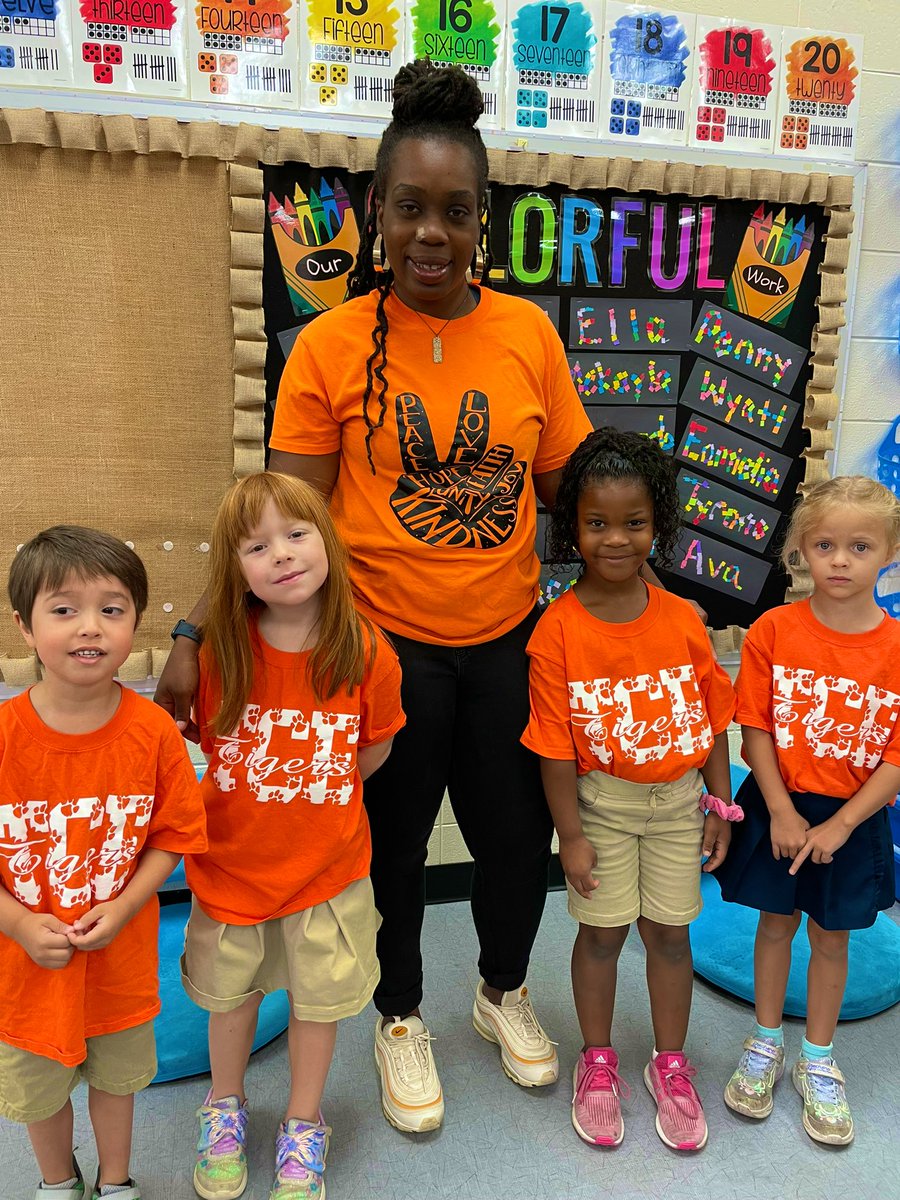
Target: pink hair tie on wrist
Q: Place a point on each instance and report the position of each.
(728, 812)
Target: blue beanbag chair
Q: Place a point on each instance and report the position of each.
(722, 941)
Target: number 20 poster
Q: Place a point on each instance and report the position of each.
(818, 109)
(645, 87)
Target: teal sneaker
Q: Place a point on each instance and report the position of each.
(300, 1150)
(750, 1089)
(221, 1169)
(826, 1113)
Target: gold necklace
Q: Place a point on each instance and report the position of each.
(437, 348)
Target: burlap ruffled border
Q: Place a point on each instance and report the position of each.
(244, 146)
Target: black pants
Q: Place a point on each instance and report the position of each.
(466, 708)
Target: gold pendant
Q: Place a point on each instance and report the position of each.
(437, 350)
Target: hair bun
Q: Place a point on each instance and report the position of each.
(424, 93)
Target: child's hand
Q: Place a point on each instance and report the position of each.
(822, 841)
(788, 833)
(716, 840)
(578, 858)
(45, 940)
(98, 927)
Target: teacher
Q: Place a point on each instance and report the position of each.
(431, 411)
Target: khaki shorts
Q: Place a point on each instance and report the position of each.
(324, 956)
(648, 839)
(33, 1088)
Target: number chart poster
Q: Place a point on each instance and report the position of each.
(818, 108)
(553, 68)
(735, 93)
(467, 32)
(353, 52)
(656, 339)
(130, 46)
(245, 52)
(645, 78)
(35, 46)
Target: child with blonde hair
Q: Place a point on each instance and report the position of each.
(819, 705)
(299, 699)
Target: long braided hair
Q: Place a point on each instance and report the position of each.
(430, 103)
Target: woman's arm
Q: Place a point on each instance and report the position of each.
(321, 470)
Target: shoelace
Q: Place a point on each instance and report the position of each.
(825, 1089)
(300, 1153)
(601, 1077)
(756, 1063)
(224, 1130)
(676, 1084)
(411, 1056)
(525, 1023)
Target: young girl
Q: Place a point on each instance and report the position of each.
(628, 707)
(298, 702)
(819, 705)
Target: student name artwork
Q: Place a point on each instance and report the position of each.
(317, 240)
(35, 43)
(726, 455)
(709, 506)
(625, 379)
(630, 324)
(645, 77)
(735, 98)
(720, 566)
(818, 104)
(130, 46)
(244, 52)
(739, 403)
(468, 33)
(654, 423)
(596, 239)
(353, 53)
(755, 352)
(552, 73)
(770, 265)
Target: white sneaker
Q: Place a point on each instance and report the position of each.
(57, 1193)
(526, 1053)
(411, 1095)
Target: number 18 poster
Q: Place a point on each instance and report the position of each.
(645, 85)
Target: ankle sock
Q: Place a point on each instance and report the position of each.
(773, 1035)
(60, 1187)
(110, 1189)
(812, 1053)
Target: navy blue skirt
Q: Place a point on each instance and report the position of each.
(847, 893)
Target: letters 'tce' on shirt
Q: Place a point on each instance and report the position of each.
(287, 827)
(830, 700)
(442, 536)
(641, 700)
(76, 813)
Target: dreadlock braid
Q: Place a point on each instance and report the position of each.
(619, 455)
(439, 103)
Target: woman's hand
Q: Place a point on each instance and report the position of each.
(178, 685)
(716, 840)
(578, 859)
(788, 833)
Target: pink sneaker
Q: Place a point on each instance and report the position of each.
(679, 1118)
(596, 1112)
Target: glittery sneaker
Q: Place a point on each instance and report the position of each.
(680, 1121)
(526, 1053)
(300, 1150)
(76, 1192)
(221, 1169)
(596, 1112)
(750, 1089)
(826, 1113)
(411, 1096)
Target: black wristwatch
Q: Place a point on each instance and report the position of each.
(186, 629)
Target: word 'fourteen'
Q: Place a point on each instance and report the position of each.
(767, 362)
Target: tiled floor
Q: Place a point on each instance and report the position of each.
(502, 1143)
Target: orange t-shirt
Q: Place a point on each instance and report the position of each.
(830, 700)
(287, 827)
(640, 701)
(76, 811)
(442, 536)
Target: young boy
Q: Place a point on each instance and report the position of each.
(98, 801)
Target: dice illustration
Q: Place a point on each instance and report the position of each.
(787, 141)
(704, 113)
(103, 73)
(539, 119)
(702, 133)
(540, 98)
(524, 97)
(228, 64)
(218, 85)
(112, 55)
(318, 72)
(91, 52)
(523, 118)
(327, 95)
(617, 108)
(339, 73)
(206, 62)
(801, 141)
(718, 133)
(616, 125)
(633, 108)
(632, 127)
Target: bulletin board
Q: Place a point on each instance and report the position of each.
(142, 351)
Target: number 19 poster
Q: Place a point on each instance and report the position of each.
(466, 32)
(645, 87)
